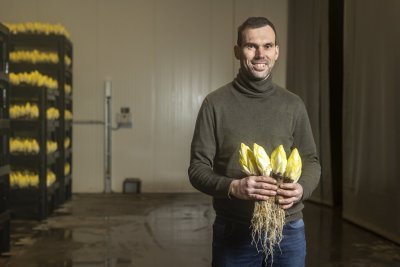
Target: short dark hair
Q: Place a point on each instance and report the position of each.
(254, 23)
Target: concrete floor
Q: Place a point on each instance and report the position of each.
(170, 230)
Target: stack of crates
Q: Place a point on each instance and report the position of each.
(49, 57)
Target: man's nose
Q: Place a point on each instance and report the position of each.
(260, 52)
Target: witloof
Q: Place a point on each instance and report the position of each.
(268, 217)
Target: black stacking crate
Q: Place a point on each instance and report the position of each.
(4, 140)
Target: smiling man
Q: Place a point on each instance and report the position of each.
(252, 109)
(257, 50)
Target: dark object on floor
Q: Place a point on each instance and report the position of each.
(132, 185)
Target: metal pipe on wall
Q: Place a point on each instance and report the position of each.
(107, 136)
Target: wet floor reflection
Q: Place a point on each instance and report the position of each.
(159, 230)
(333, 242)
(170, 230)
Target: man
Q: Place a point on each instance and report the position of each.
(252, 109)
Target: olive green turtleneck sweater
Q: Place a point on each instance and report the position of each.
(246, 111)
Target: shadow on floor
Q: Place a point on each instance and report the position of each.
(120, 230)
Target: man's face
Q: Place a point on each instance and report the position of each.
(258, 52)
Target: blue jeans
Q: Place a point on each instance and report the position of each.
(232, 246)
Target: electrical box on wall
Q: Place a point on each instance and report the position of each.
(124, 118)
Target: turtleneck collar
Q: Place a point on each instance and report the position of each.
(253, 88)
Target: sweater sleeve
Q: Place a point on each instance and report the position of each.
(203, 149)
(304, 141)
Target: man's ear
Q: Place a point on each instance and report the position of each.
(276, 52)
(236, 49)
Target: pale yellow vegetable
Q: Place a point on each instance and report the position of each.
(294, 166)
(262, 160)
(247, 160)
(278, 160)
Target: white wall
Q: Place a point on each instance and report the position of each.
(163, 57)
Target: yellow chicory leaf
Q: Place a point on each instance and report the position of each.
(278, 160)
(294, 165)
(262, 160)
(247, 160)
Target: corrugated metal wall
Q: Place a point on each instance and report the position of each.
(163, 57)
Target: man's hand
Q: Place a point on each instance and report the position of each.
(288, 194)
(253, 188)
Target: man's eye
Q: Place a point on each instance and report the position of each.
(250, 46)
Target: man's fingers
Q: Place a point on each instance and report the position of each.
(288, 186)
(264, 192)
(285, 201)
(287, 193)
(265, 186)
(287, 206)
(264, 179)
(258, 197)
(264, 182)
(255, 188)
(252, 192)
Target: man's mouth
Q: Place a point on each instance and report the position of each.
(259, 66)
